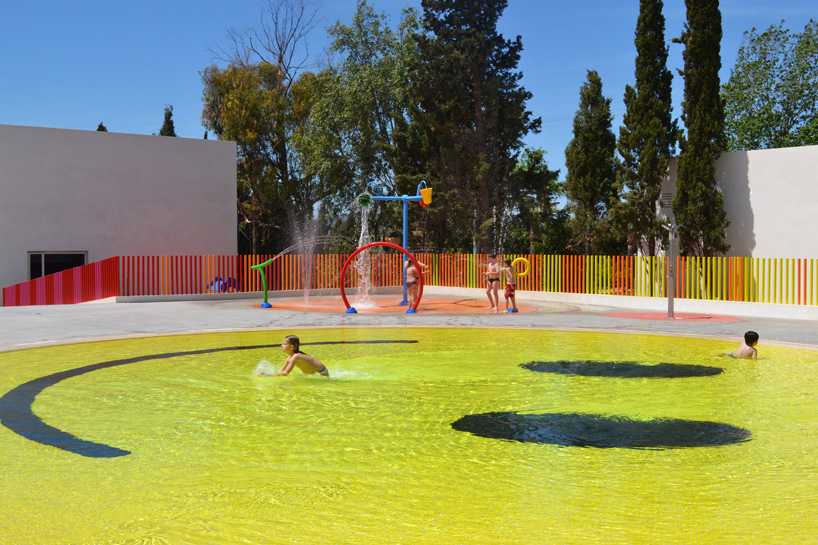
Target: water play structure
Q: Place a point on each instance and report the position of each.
(423, 197)
(413, 308)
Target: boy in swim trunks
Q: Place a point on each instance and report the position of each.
(492, 275)
(747, 348)
(511, 285)
(296, 358)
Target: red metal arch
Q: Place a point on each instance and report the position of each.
(389, 245)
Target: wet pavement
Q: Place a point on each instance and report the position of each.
(24, 327)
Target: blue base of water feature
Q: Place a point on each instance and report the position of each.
(351, 310)
(403, 303)
(411, 311)
(266, 305)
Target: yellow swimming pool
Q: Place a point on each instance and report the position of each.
(425, 436)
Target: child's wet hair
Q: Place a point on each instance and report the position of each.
(750, 337)
(507, 262)
(296, 342)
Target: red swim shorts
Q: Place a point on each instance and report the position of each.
(510, 289)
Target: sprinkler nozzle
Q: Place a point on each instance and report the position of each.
(364, 199)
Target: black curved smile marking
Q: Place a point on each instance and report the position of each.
(16, 413)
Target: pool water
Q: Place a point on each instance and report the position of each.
(211, 453)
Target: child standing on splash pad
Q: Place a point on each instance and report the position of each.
(492, 275)
(511, 286)
(412, 277)
(296, 358)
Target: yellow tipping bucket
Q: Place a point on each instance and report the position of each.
(426, 193)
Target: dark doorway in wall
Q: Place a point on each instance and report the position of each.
(43, 263)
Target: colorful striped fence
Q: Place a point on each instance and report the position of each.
(759, 280)
(86, 283)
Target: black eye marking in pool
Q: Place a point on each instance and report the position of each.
(622, 369)
(591, 430)
(17, 415)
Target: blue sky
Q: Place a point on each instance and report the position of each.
(73, 64)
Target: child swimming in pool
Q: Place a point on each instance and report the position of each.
(747, 348)
(296, 358)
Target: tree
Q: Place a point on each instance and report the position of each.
(537, 226)
(698, 206)
(770, 98)
(167, 125)
(468, 118)
(589, 159)
(648, 137)
(360, 99)
(101, 127)
(241, 104)
(267, 69)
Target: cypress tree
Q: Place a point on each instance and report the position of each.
(589, 160)
(101, 127)
(648, 137)
(699, 205)
(167, 126)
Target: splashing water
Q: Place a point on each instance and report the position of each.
(362, 264)
(305, 234)
(265, 367)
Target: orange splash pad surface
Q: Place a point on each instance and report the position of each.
(390, 305)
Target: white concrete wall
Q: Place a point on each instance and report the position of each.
(112, 194)
(771, 200)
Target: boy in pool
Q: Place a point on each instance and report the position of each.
(511, 286)
(747, 348)
(296, 358)
(492, 275)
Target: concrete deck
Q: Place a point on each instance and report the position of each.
(25, 327)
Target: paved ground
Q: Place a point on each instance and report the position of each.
(22, 327)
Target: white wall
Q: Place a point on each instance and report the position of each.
(771, 200)
(112, 194)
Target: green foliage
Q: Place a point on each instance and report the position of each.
(101, 127)
(359, 101)
(771, 99)
(589, 158)
(467, 121)
(242, 104)
(167, 125)
(648, 137)
(698, 206)
(535, 226)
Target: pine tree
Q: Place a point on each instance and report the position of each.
(468, 127)
(648, 137)
(698, 206)
(167, 126)
(101, 127)
(589, 159)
